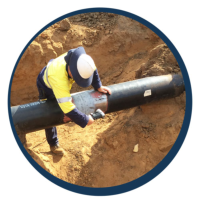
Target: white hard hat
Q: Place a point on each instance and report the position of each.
(85, 66)
(82, 67)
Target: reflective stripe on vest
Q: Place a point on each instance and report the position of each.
(64, 99)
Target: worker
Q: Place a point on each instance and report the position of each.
(55, 81)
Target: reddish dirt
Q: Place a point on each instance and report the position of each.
(101, 155)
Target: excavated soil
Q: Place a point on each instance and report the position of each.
(103, 155)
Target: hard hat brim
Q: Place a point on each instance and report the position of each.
(74, 70)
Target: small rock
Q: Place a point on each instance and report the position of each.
(115, 144)
(56, 25)
(135, 148)
(44, 35)
(65, 25)
(89, 154)
(145, 125)
(107, 32)
(169, 69)
(165, 148)
(176, 70)
(111, 14)
(37, 151)
(77, 20)
(28, 145)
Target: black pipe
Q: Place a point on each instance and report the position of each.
(132, 93)
(44, 114)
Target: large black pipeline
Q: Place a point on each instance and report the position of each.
(44, 114)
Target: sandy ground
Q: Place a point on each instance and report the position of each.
(101, 155)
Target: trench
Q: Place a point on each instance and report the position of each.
(102, 155)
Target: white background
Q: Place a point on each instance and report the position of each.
(21, 20)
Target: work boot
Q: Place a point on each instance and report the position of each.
(56, 149)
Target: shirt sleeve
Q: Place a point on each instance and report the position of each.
(96, 82)
(78, 117)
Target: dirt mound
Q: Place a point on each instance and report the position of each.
(103, 155)
(161, 61)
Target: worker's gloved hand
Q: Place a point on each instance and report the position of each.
(104, 89)
(91, 120)
(66, 119)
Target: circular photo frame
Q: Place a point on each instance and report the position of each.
(162, 164)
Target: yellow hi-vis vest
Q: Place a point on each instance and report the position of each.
(60, 83)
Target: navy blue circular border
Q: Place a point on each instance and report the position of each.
(168, 158)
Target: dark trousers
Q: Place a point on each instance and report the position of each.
(47, 93)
